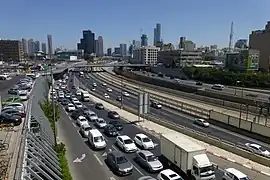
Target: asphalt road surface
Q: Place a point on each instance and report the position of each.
(131, 130)
(171, 115)
(227, 90)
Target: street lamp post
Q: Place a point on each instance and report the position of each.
(122, 99)
(53, 104)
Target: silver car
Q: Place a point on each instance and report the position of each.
(149, 161)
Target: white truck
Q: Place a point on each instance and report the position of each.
(85, 96)
(185, 155)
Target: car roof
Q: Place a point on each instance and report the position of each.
(141, 135)
(124, 137)
(70, 104)
(236, 172)
(95, 132)
(146, 153)
(85, 125)
(168, 172)
(116, 153)
(255, 145)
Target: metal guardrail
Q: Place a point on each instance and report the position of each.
(39, 160)
(238, 149)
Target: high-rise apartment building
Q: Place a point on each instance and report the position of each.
(117, 51)
(87, 43)
(11, 50)
(99, 47)
(109, 51)
(189, 45)
(123, 49)
(144, 40)
(146, 55)
(37, 46)
(43, 48)
(50, 47)
(157, 34)
(24, 45)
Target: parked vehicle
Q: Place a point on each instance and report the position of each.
(126, 144)
(143, 141)
(187, 156)
(96, 139)
(10, 119)
(70, 107)
(84, 130)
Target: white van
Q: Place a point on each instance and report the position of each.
(96, 139)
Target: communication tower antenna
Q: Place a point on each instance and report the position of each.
(141, 31)
(231, 38)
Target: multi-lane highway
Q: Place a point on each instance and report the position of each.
(131, 130)
(169, 114)
(227, 90)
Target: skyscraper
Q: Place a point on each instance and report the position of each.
(109, 51)
(50, 48)
(31, 46)
(182, 43)
(87, 43)
(123, 49)
(24, 45)
(157, 34)
(144, 40)
(99, 47)
(37, 46)
(43, 48)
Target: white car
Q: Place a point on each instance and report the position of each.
(104, 84)
(109, 89)
(106, 96)
(125, 94)
(168, 174)
(70, 107)
(63, 87)
(78, 104)
(100, 123)
(78, 92)
(143, 141)
(126, 143)
(84, 130)
(201, 122)
(94, 84)
(93, 89)
(81, 120)
(23, 95)
(91, 116)
(232, 174)
(74, 99)
(61, 95)
(257, 149)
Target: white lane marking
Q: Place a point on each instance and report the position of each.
(66, 112)
(138, 170)
(111, 178)
(74, 124)
(114, 148)
(78, 131)
(69, 118)
(99, 161)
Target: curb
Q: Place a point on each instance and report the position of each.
(233, 161)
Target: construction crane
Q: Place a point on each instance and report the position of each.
(231, 38)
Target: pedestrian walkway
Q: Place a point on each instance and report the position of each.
(244, 115)
(157, 129)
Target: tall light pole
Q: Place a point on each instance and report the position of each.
(53, 105)
(122, 97)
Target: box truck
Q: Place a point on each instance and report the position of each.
(85, 96)
(185, 156)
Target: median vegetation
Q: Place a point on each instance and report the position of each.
(220, 76)
(60, 149)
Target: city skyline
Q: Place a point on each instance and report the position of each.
(203, 28)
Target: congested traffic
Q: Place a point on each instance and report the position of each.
(105, 130)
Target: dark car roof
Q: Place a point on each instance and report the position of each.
(116, 153)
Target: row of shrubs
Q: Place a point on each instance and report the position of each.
(60, 149)
(220, 76)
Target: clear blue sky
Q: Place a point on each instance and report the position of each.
(119, 21)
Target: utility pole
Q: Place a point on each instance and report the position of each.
(122, 84)
(53, 105)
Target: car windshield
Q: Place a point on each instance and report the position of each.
(87, 129)
(93, 115)
(128, 141)
(244, 178)
(152, 158)
(101, 121)
(206, 169)
(70, 105)
(121, 160)
(83, 120)
(146, 139)
(78, 103)
(98, 139)
(23, 94)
